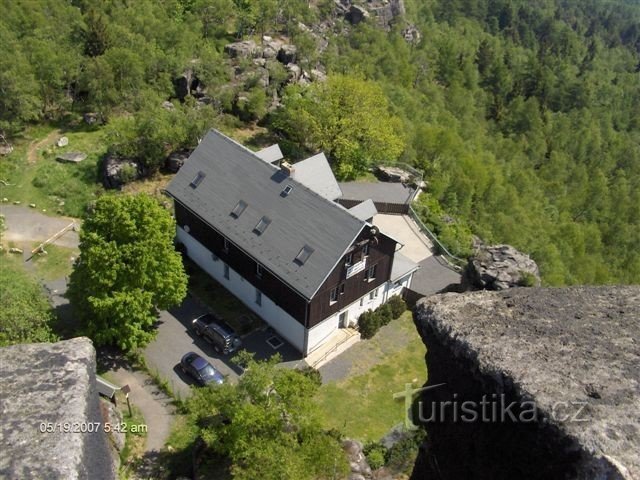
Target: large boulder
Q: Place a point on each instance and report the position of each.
(499, 267)
(244, 49)
(356, 14)
(71, 157)
(360, 469)
(287, 54)
(117, 170)
(176, 159)
(187, 84)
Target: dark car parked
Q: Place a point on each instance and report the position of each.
(202, 371)
(217, 332)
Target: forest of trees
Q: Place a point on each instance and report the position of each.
(524, 116)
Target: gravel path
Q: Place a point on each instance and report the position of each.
(155, 405)
(25, 226)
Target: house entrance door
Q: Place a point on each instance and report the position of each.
(343, 320)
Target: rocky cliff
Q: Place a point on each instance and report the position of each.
(50, 424)
(531, 384)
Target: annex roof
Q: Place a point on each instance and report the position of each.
(316, 174)
(232, 173)
(364, 210)
(402, 266)
(270, 154)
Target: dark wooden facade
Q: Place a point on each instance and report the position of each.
(381, 251)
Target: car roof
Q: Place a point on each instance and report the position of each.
(199, 363)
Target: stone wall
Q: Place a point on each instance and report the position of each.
(569, 361)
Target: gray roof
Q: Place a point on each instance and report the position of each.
(382, 192)
(364, 210)
(402, 266)
(270, 154)
(303, 217)
(316, 174)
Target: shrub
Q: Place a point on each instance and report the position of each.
(368, 324)
(402, 455)
(385, 314)
(376, 454)
(398, 306)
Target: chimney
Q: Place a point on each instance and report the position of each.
(287, 168)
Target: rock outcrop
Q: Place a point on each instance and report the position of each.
(51, 426)
(566, 360)
(117, 171)
(358, 465)
(499, 267)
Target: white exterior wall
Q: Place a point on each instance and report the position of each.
(286, 326)
(325, 328)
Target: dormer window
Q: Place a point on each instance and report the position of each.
(303, 255)
(262, 225)
(197, 180)
(238, 209)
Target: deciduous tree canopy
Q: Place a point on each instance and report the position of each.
(347, 118)
(127, 269)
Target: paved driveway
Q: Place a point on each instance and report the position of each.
(416, 246)
(175, 338)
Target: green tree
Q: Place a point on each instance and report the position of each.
(267, 425)
(348, 118)
(127, 270)
(25, 316)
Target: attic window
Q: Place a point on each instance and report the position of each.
(198, 179)
(287, 190)
(304, 255)
(262, 225)
(238, 209)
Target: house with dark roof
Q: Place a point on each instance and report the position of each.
(274, 236)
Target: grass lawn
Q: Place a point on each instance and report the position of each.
(57, 263)
(34, 176)
(362, 405)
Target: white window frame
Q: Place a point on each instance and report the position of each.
(333, 296)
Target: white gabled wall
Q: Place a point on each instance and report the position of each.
(276, 317)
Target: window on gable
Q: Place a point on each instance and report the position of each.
(365, 250)
(303, 255)
(348, 259)
(342, 288)
(238, 209)
(197, 180)
(262, 225)
(371, 273)
(333, 295)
